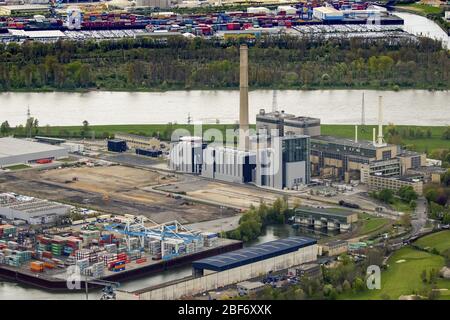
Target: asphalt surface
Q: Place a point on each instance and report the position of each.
(420, 216)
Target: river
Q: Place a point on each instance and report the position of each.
(413, 107)
(422, 26)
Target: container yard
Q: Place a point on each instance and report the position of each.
(81, 24)
(111, 248)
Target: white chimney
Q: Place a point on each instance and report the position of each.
(374, 135)
(380, 121)
(356, 134)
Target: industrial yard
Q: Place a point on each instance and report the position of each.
(112, 189)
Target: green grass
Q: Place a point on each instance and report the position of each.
(439, 240)
(404, 278)
(370, 224)
(345, 131)
(420, 8)
(401, 206)
(17, 167)
(365, 133)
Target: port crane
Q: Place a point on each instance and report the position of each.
(172, 230)
(108, 292)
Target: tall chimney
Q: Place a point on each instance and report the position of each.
(374, 135)
(356, 134)
(380, 121)
(243, 102)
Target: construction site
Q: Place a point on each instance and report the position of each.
(110, 189)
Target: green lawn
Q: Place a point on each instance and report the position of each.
(17, 167)
(439, 240)
(345, 131)
(401, 206)
(369, 224)
(373, 225)
(365, 132)
(420, 8)
(403, 278)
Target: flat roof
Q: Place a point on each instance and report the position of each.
(15, 147)
(349, 142)
(330, 211)
(253, 254)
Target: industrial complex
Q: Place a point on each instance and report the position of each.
(287, 150)
(55, 20)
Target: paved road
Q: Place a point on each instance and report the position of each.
(218, 225)
(420, 216)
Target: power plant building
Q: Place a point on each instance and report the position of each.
(286, 123)
(186, 155)
(228, 164)
(285, 163)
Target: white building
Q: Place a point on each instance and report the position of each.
(19, 151)
(283, 162)
(31, 210)
(186, 155)
(228, 164)
(327, 13)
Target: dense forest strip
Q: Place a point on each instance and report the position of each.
(179, 63)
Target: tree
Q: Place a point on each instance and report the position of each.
(405, 220)
(423, 276)
(446, 133)
(5, 128)
(85, 128)
(386, 195)
(407, 194)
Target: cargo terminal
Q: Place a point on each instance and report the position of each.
(105, 247)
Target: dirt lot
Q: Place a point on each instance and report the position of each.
(114, 189)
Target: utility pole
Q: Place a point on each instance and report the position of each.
(29, 122)
(363, 112)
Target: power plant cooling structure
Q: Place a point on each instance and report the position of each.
(243, 102)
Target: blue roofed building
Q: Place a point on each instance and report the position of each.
(268, 255)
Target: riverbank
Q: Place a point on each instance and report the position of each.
(429, 137)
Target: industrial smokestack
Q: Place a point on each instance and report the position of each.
(243, 102)
(374, 135)
(380, 121)
(356, 134)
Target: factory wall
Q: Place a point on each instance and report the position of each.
(29, 157)
(227, 164)
(35, 217)
(186, 156)
(217, 280)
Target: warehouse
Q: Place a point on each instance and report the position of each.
(31, 210)
(17, 151)
(232, 268)
(261, 256)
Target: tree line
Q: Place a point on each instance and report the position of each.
(179, 63)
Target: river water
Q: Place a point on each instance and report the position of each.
(414, 107)
(422, 26)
